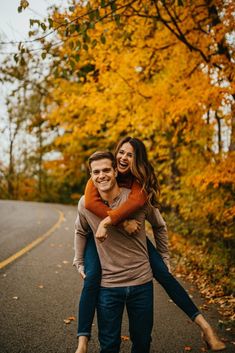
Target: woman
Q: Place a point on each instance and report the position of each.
(134, 170)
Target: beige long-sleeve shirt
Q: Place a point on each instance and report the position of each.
(123, 257)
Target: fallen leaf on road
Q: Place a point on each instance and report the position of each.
(187, 348)
(204, 307)
(59, 266)
(4, 275)
(67, 322)
(69, 319)
(40, 286)
(15, 298)
(125, 338)
(65, 262)
(72, 318)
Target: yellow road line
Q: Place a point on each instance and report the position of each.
(34, 243)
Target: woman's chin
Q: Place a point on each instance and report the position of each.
(124, 171)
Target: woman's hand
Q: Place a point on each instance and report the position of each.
(101, 233)
(131, 226)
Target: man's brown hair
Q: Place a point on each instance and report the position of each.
(98, 155)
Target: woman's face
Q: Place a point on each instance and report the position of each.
(124, 158)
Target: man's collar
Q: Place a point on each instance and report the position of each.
(114, 200)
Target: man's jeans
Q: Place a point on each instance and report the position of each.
(139, 304)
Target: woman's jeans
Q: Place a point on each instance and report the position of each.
(90, 291)
(138, 301)
(91, 287)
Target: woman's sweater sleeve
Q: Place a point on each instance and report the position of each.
(93, 203)
(136, 199)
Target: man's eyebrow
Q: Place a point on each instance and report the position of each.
(101, 170)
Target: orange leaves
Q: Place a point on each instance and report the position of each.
(69, 320)
(125, 338)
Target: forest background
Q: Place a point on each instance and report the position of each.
(162, 71)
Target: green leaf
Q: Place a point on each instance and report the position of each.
(86, 38)
(72, 64)
(77, 27)
(16, 58)
(50, 22)
(117, 19)
(97, 14)
(102, 39)
(180, 3)
(56, 73)
(92, 15)
(43, 26)
(94, 42)
(72, 28)
(113, 6)
(43, 55)
(92, 25)
(77, 57)
(85, 47)
(19, 9)
(71, 44)
(65, 73)
(79, 45)
(102, 3)
(71, 8)
(88, 68)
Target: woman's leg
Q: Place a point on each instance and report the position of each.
(89, 294)
(175, 291)
(181, 298)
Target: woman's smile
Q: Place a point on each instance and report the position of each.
(125, 158)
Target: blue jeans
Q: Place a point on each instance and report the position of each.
(91, 287)
(90, 291)
(175, 291)
(139, 304)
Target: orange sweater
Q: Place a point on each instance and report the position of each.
(136, 199)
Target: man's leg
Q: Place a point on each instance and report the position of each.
(140, 312)
(110, 307)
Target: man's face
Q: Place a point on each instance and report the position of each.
(103, 175)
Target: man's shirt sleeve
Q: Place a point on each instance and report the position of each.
(82, 229)
(159, 231)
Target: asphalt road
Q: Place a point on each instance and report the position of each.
(40, 289)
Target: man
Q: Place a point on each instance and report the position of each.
(126, 273)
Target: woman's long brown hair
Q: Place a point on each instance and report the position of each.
(142, 169)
